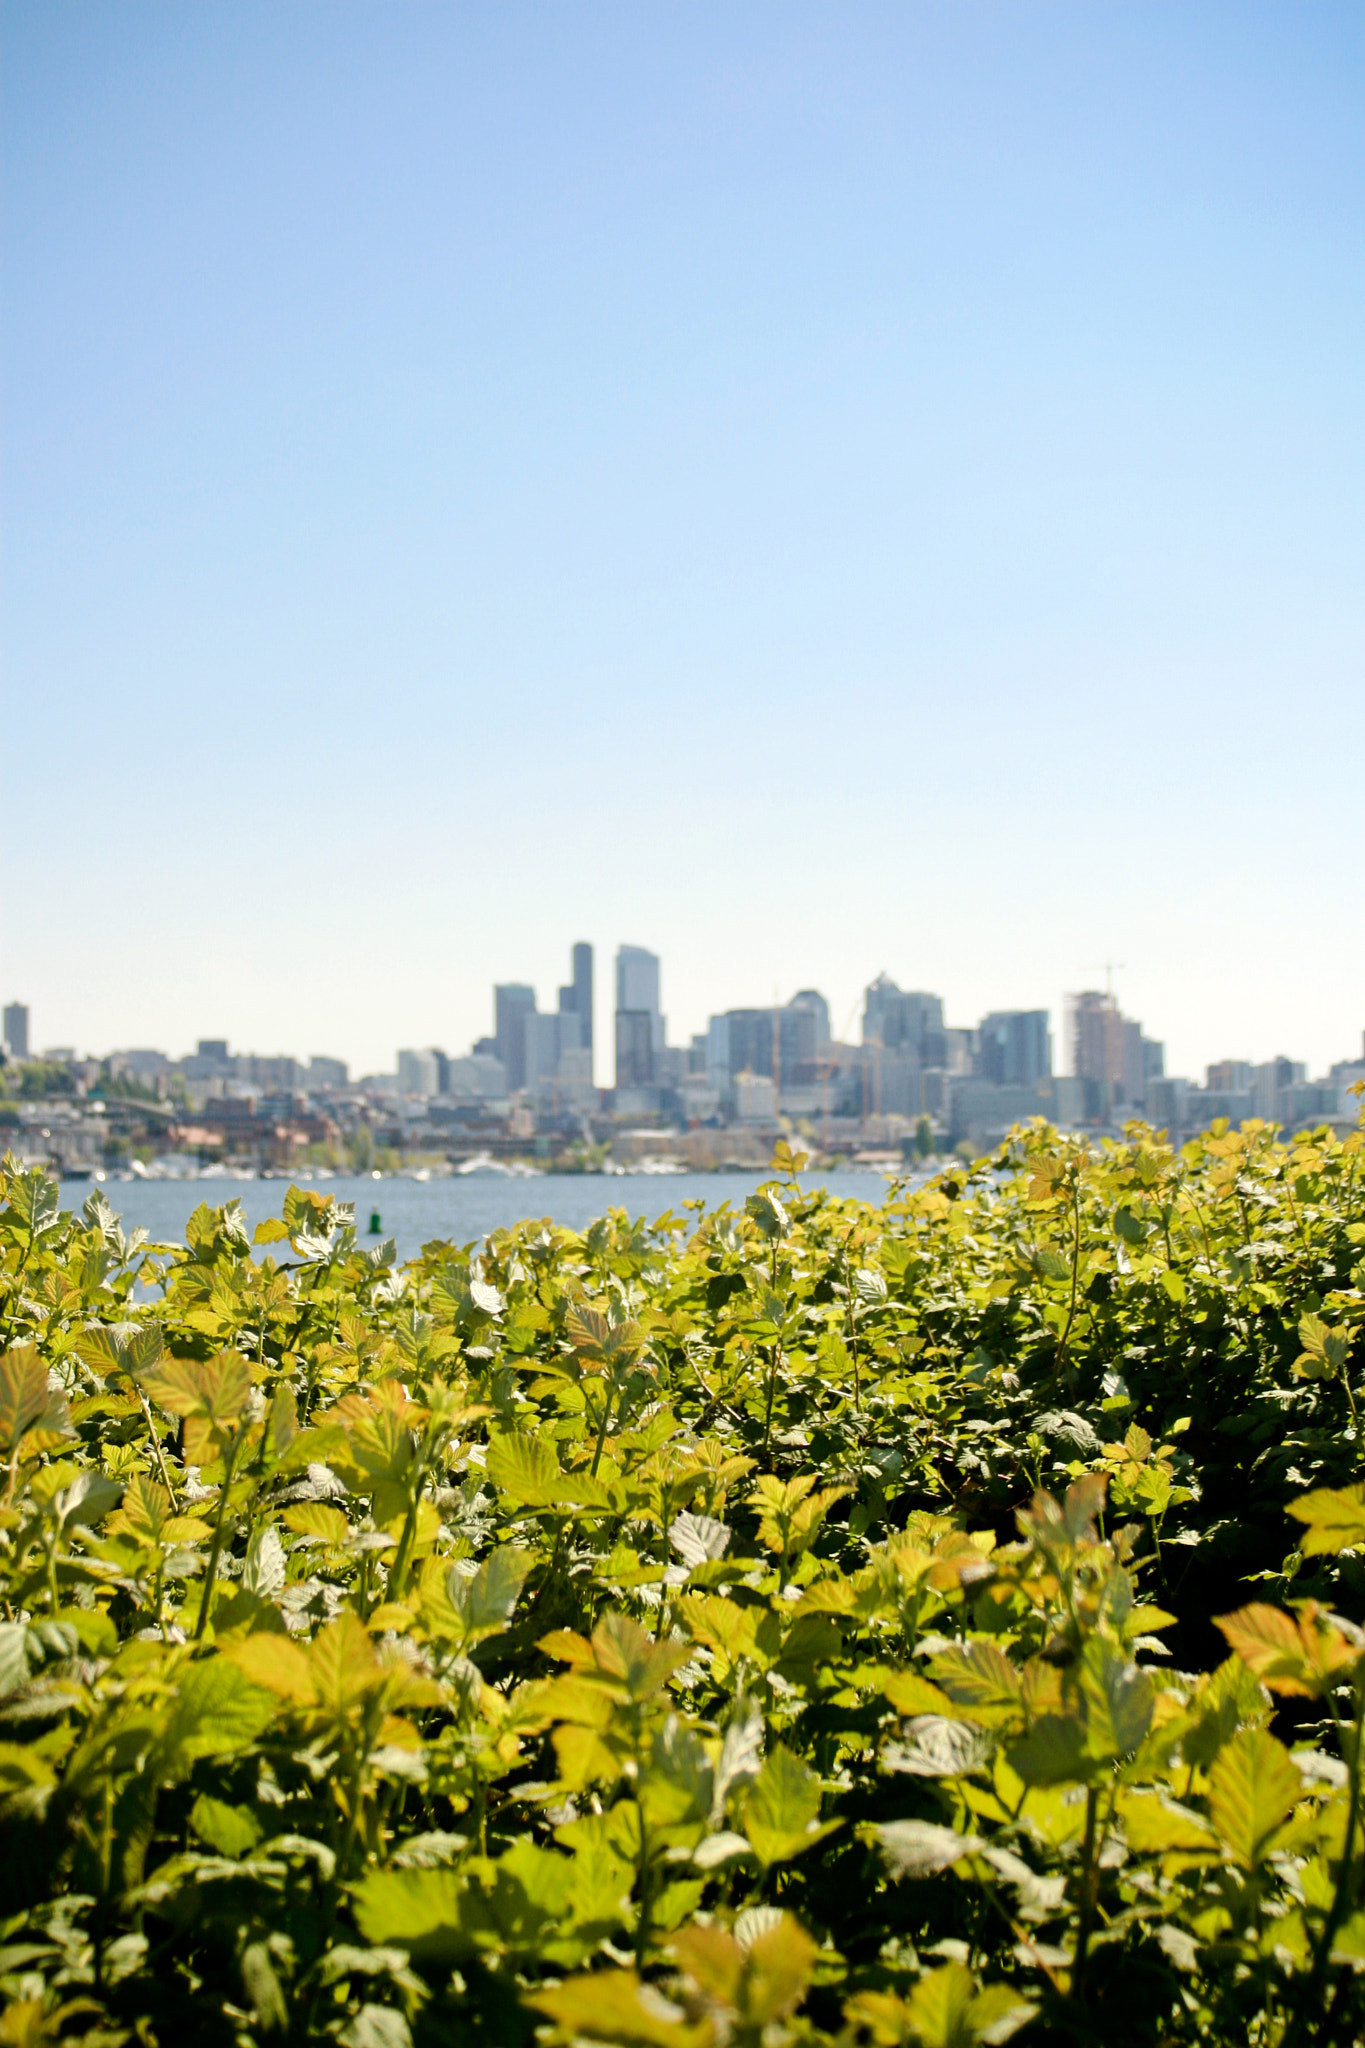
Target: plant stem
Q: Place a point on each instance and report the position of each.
(216, 1547)
(399, 1572)
(1075, 1270)
(156, 1442)
(602, 1426)
(772, 1391)
(1092, 1803)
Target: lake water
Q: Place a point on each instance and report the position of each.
(461, 1209)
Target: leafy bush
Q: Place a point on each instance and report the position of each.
(758, 1627)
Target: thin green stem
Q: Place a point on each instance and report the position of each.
(607, 1391)
(1088, 1889)
(160, 1455)
(1075, 1271)
(216, 1547)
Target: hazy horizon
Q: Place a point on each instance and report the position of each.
(808, 491)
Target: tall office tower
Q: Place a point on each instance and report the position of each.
(1110, 1053)
(812, 1000)
(513, 1002)
(1014, 1048)
(640, 1032)
(1097, 1049)
(16, 1029)
(637, 979)
(905, 1020)
(576, 997)
(782, 1042)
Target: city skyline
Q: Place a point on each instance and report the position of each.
(817, 491)
(1058, 1024)
(912, 1082)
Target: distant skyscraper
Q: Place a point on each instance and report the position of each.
(637, 979)
(513, 1002)
(640, 1033)
(1110, 1054)
(576, 997)
(16, 1029)
(905, 1020)
(812, 1000)
(1014, 1048)
(781, 1042)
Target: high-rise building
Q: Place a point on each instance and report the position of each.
(1272, 1083)
(640, 1026)
(1097, 1049)
(16, 1029)
(637, 979)
(576, 997)
(908, 1020)
(812, 1000)
(903, 1036)
(1110, 1054)
(513, 1002)
(544, 1039)
(634, 1049)
(781, 1042)
(1014, 1048)
(576, 1006)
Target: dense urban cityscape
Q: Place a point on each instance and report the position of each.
(911, 1086)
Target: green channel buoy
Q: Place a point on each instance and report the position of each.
(375, 1225)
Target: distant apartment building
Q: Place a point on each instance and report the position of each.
(141, 1063)
(16, 1030)
(755, 1099)
(478, 1077)
(1168, 1105)
(1276, 1092)
(419, 1072)
(327, 1073)
(210, 1061)
(276, 1073)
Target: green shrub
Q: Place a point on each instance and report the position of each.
(818, 1622)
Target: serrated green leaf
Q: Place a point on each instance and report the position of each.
(1253, 1788)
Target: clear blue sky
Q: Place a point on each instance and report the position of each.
(811, 489)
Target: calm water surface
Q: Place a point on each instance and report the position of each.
(462, 1209)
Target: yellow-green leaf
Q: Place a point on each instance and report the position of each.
(1253, 1787)
(1335, 1518)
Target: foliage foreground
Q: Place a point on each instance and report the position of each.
(932, 1623)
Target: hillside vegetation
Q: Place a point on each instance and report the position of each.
(929, 1622)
